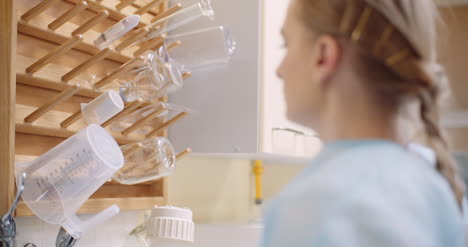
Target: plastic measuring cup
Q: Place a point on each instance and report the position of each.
(102, 108)
(61, 180)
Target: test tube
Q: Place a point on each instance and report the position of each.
(201, 49)
(200, 9)
(116, 31)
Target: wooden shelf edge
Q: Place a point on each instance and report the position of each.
(8, 39)
(33, 129)
(54, 37)
(96, 205)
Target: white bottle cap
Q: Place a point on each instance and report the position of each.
(102, 108)
(170, 223)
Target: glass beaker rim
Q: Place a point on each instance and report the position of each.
(175, 71)
(163, 145)
(207, 8)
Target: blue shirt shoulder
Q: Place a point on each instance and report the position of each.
(365, 193)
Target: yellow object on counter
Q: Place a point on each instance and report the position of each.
(258, 172)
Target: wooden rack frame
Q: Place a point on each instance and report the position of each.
(47, 60)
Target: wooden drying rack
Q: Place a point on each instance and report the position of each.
(46, 54)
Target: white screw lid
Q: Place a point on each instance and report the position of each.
(173, 223)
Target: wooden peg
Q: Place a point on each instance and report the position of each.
(39, 64)
(91, 23)
(166, 124)
(173, 45)
(186, 75)
(183, 154)
(86, 64)
(71, 119)
(138, 124)
(140, 33)
(124, 3)
(128, 109)
(39, 8)
(78, 8)
(132, 149)
(149, 159)
(148, 7)
(151, 45)
(114, 74)
(167, 13)
(58, 99)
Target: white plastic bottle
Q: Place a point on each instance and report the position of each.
(170, 227)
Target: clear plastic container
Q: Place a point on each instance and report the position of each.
(147, 160)
(170, 110)
(154, 78)
(116, 31)
(201, 49)
(202, 8)
(102, 108)
(61, 180)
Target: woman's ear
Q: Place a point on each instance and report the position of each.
(329, 53)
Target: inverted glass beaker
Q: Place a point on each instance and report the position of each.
(200, 49)
(201, 8)
(153, 80)
(147, 160)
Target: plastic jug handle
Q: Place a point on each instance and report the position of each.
(76, 227)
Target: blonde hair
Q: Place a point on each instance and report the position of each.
(398, 41)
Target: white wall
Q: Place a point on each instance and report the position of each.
(273, 106)
(224, 101)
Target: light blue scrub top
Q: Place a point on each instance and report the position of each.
(365, 193)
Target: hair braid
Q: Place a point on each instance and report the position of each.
(446, 165)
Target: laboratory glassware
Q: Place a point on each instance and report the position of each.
(155, 78)
(147, 160)
(200, 49)
(61, 180)
(161, 109)
(102, 108)
(201, 8)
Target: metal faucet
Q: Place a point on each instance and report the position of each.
(8, 224)
(65, 239)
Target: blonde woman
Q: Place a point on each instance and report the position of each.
(353, 69)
